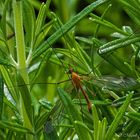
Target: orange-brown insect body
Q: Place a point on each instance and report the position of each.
(76, 80)
(77, 83)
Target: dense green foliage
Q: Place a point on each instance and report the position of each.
(40, 42)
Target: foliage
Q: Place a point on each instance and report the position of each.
(39, 42)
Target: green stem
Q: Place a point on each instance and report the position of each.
(20, 45)
(21, 56)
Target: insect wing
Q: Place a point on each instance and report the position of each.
(116, 83)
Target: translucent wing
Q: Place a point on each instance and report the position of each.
(115, 83)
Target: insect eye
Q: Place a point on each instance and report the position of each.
(69, 71)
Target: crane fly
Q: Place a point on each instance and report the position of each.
(76, 80)
(108, 82)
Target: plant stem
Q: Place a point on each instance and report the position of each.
(21, 56)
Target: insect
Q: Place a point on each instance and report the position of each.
(76, 80)
(110, 82)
